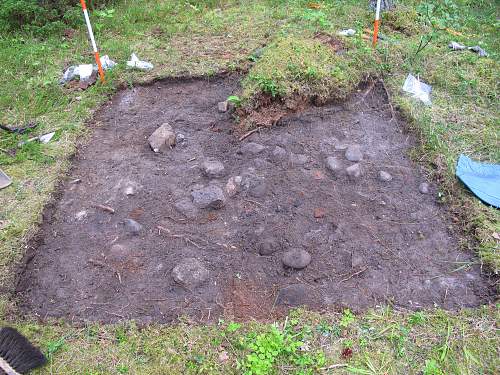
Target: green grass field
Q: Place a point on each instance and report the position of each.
(206, 37)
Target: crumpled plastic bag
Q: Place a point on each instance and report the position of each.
(481, 52)
(134, 62)
(418, 89)
(481, 178)
(347, 32)
(456, 46)
(84, 71)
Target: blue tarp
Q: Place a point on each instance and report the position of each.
(482, 179)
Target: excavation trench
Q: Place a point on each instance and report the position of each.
(371, 241)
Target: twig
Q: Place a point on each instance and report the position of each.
(118, 315)
(389, 99)
(105, 208)
(334, 366)
(250, 133)
(354, 274)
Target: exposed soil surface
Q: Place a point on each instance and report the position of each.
(370, 241)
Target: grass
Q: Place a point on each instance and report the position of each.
(206, 37)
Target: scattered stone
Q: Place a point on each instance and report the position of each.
(268, 246)
(190, 273)
(384, 176)
(298, 159)
(133, 227)
(296, 258)
(319, 213)
(186, 208)
(353, 153)
(162, 139)
(354, 171)
(81, 215)
(209, 197)
(279, 154)
(233, 185)
(424, 188)
(223, 106)
(295, 295)
(333, 164)
(251, 148)
(356, 260)
(213, 168)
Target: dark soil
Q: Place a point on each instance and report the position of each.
(371, 242)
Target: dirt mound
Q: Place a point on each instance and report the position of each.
(131, 239)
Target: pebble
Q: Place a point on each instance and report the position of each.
(353, 153)
(180, 139)
(209, 197)
(384, 176)
(190, 273)
(162, 139)
(298, 159)
(233, 185)
(354, 171)
(296, 258)
(213, 168)
(223, 106)
(341, 146)
(129, 190)
(268, 246)
(133, 227)
(118, 251)
(424, 188)
(327, 145)
(295, 295)
(279, 154)
(81, 215)
(258, 188)
(356, 260)
(251, 148)
(333, 164)
(186, 208)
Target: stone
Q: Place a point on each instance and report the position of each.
(268, 246)
(190, 273)
(298, 159)
(319, 213)
(162, 139)
(354, 171)
(209, 197)
(333, 164)
(186, 207)
(327, 145)
(279, 154)
(384, 176)
(354, 153)
(258, 188)
(251, 148)
(424, 188)
(213, 168)
(132, 227)
(341, 146)
(223, 106)
(180, 139)
(356, 260)
(129, 190)
(296, 258)
(283, 140)
(295, 295)
(261, 163)
(118, 252)
(233, 185)
(80, 215)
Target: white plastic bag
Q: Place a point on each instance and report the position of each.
(418, 89)
(107, 63)
(136, 63)
(347, 32)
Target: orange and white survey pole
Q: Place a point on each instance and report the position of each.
(92, 40)
(376, 24)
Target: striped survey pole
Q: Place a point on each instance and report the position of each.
(376, 24)
(92, 40)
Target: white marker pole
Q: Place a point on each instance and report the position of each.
(92, 40)
(376, 24)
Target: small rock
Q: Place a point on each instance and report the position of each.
(424, 188)
(279, 154)
(133, 227)
(268, 246)
(283, 140)
(319, 213)
(180, 139)
(356, 260)
(327, 145)
(209, 197)
(233, 185)
(354, 171)
(296, 258)
(81, 215)
(129, 190)
(162, 139)
(341, 146)
(223, 106)
(213, 168)
(223, 357)
(261, 163)
(258, 188)
(298, 159)
(190, 273)
(251, 148)
(353, 153)
(333, 164)
(295, 295)
(384, 176)
(186, 208)
(118, 251)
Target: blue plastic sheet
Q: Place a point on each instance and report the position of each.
(482, 179)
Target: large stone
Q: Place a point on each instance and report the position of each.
(424, 188)
(333, 164)
(133, 227)
(190, 273)
(213, 168)
(354, 153)
(162, 139)
(384, 176)
(296, 258)
(251, 148)
(186, 207)
(209, 197)
(354, 172)
(268, 246)
(295, 295)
